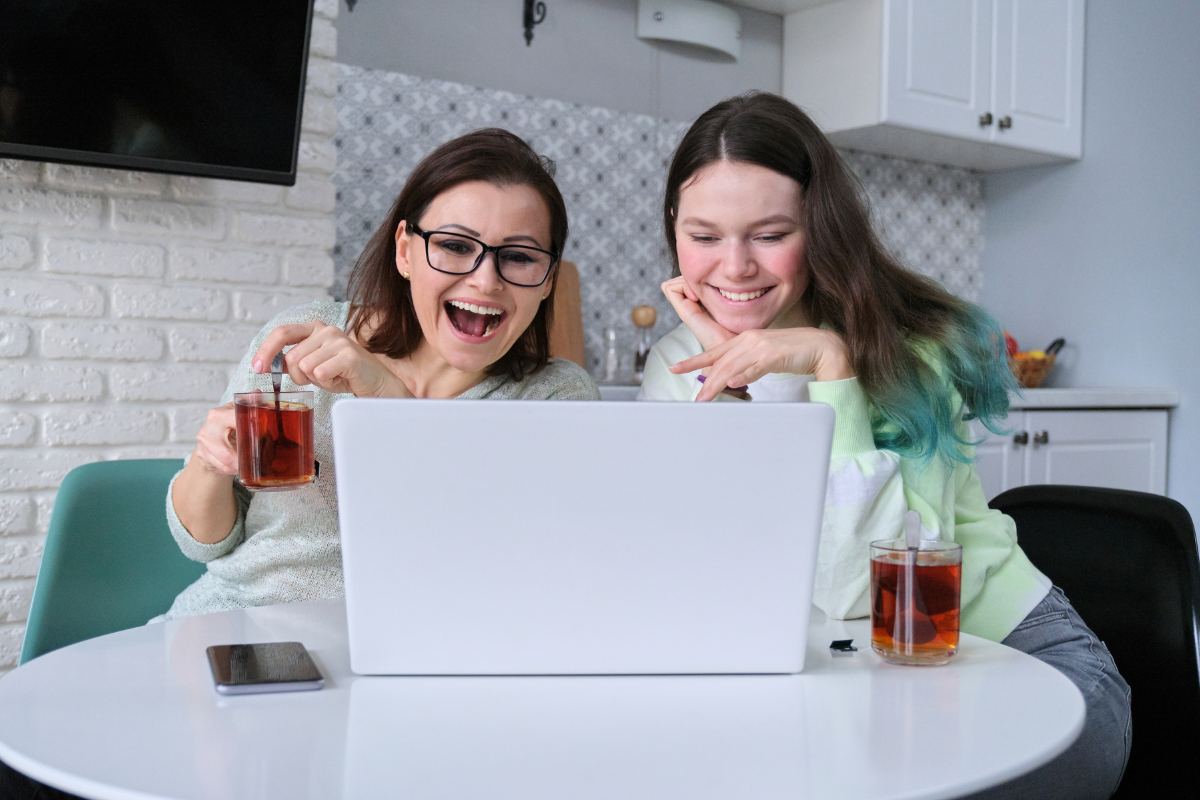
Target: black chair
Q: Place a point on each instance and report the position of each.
(1128, 563)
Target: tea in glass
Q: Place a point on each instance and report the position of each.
(274, 440)
(915, 601)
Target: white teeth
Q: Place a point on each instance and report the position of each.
(742, 296)
(474, 309)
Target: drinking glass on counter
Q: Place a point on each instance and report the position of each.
(915, 598)
(274, 440)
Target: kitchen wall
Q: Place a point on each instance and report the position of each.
(586, 51)
(611, 167)
(125, 300)
(1106, 251)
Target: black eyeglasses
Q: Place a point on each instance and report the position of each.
(457, 254)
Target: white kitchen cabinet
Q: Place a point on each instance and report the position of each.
(982, 84)
(1112, 448)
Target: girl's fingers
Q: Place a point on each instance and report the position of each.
(678, 293)
(707, 330)
(736, 365)
(744, 378)
(708, 391)
(683, 307)
(709, 357)
(680, 286)
(694, 363)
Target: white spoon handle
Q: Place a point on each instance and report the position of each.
(912, 530)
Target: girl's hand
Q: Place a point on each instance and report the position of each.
(216, 443)
(707, 330)
(748, 356)
(324, 356)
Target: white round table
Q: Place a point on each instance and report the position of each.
(134, 715)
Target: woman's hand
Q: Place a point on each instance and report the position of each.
(707, 330)
(748, 356)
(216, 444)
(203, 493)
(324, 356)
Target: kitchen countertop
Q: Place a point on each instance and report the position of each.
(1096, 398)
(1030, 398)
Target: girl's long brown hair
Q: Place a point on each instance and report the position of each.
(901, 328)
(381, 300)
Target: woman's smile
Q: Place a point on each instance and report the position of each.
(473, 320)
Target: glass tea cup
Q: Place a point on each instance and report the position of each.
(915, 601)
(274, 440)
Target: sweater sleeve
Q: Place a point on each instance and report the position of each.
(198, 551)
(864, 502)
(999, 584)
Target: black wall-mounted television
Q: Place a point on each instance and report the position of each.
(194, 87)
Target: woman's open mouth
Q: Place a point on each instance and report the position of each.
(742, 297)
(474, 321)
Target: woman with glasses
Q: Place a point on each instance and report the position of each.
(450, 298)
(786, 294)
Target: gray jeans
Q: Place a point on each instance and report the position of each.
(1091, 768)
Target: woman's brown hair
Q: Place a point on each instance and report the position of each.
(901, 328)
(381, 300)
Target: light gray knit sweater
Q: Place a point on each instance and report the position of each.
(284, 546)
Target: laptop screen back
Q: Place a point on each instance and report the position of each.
(522, 537)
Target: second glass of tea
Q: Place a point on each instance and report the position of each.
(915, 598)
(274, 440)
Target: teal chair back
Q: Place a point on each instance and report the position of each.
(110, 562)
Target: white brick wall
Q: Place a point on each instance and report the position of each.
(125, 300)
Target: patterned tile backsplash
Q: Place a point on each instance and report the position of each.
(610, 168)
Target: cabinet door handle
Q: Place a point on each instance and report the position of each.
(1004, 123)
(985, 119)
(1021, 437)
(1042, 437)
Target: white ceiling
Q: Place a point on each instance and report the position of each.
(777, 6)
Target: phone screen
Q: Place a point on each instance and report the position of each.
(268, 667)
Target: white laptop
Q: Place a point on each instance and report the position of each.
(484, 537)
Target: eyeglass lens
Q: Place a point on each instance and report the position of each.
(523, 266)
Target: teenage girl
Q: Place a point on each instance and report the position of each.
(786, 294)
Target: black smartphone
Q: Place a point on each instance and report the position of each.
(269, 667)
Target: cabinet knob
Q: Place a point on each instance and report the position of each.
(1004, 123)
(1021, 437)
(1042, 437)
(985, 119)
